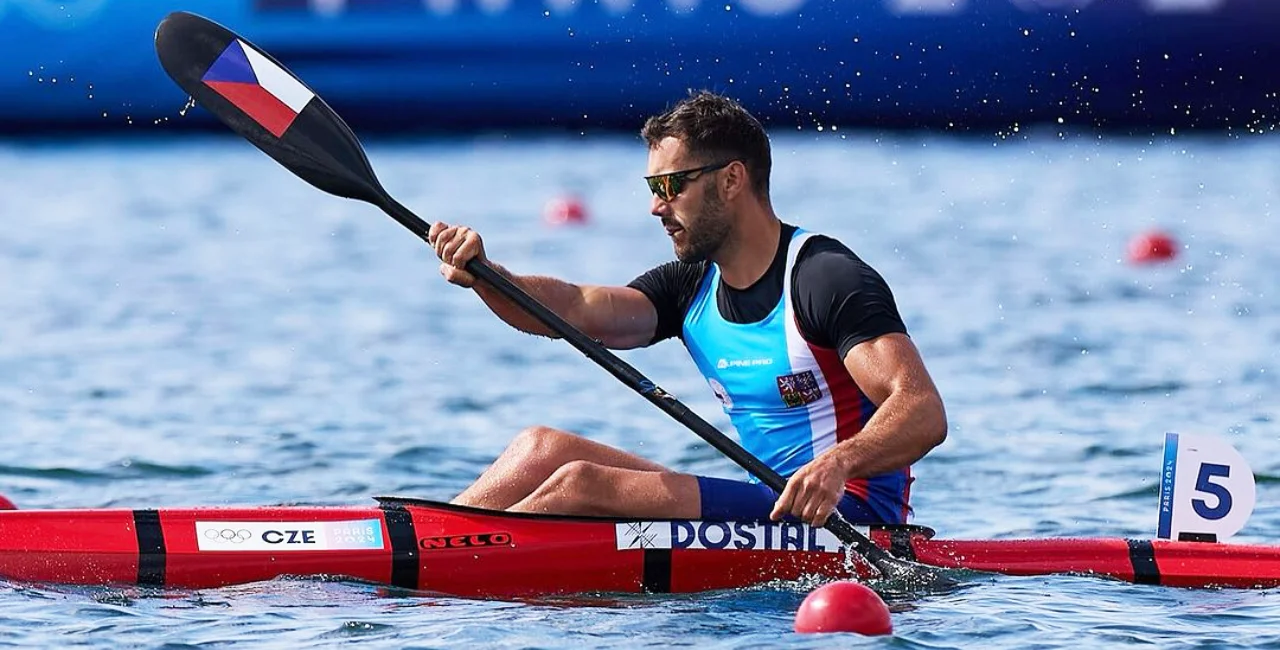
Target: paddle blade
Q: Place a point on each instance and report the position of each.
(261, 100)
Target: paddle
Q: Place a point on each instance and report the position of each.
(266, 104)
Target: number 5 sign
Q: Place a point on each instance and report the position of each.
(1206, 488)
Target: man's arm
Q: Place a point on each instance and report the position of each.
(619, 317)
(909, 422)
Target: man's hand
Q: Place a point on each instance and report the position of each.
(813, 492)
(455, 246)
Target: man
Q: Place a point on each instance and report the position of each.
(799, 339)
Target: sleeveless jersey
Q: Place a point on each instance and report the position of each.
(788, 399)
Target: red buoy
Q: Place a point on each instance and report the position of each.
(1152, 246)
(567, 209)
(844, 606)
(6, 504)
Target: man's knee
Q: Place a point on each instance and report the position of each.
(580, 481)
(577, 474)
(544, 442)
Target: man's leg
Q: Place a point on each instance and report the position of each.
(530, 460)
(583, 487)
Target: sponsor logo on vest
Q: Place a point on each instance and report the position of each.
(725, 535)
(464, 541)
(799, 389)
(742, 363)
(721, 393)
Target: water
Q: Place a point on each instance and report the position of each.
(184, 323)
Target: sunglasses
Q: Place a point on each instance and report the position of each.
(668, 186)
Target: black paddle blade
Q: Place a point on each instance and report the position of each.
(260, 99)
(894, 571)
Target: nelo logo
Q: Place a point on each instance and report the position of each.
(464, 541)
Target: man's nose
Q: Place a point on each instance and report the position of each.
(658, 207)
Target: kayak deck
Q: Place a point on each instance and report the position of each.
(442, 548)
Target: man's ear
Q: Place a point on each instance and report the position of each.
(735, 180)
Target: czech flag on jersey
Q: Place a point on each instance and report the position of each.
(263, 90)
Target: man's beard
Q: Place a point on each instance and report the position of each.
(707, 233)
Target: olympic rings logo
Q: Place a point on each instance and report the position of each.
(228, 535)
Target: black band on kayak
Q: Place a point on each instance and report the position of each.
(1143, 557)
(657, 571)
(404, 546)
(151, 553)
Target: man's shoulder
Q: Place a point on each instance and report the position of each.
(826, 266)
(677, 268)
(675, 279)
(824, 247)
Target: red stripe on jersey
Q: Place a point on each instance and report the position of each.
(852, 408)
(846, 397)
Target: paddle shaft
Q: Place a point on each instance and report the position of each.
(627, 374)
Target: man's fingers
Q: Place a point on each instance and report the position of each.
(449, 252)
(473, 246)
(812, 511)
(783, 505)
(433, 232)
(442, 238)
(467, 250)
(457, 245)
(823, 513)
(454, 275)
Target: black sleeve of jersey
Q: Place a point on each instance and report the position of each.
(840, 301)
(671, 288)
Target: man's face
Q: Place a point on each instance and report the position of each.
(695, 219)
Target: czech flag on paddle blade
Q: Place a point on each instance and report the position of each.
(260, 88)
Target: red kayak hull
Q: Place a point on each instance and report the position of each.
(440, 548)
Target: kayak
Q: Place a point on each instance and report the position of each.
(455, 550)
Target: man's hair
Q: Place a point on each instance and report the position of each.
(715, 129)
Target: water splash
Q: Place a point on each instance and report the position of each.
(191, 103)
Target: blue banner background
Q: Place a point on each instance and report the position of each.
(439, 64)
